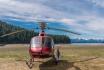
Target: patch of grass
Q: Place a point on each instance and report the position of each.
(14, 52)
(76, 52)
(67, 52)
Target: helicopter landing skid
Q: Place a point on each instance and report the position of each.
(30, 63)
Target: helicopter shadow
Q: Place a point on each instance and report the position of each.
(62, 65)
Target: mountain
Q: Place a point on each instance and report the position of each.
(25, 36)
(87, 41)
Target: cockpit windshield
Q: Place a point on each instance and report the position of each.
(36, 42)
(41, 41)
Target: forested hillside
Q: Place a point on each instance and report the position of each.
(25, 36)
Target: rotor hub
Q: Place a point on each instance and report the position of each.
(42, 25)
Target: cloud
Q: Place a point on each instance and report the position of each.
(78, 15)
(98, 2)
(26, 11)
(96, 25)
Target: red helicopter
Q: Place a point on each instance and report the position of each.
(42, 46)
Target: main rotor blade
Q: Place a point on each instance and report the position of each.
(12, 33)
(63, 30)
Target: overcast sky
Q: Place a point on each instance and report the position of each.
(83, 16)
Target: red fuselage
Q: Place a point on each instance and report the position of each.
(41, 46)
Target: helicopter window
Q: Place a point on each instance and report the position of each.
(47, 42)
(36, 42)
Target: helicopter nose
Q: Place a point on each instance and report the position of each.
(39, 49)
